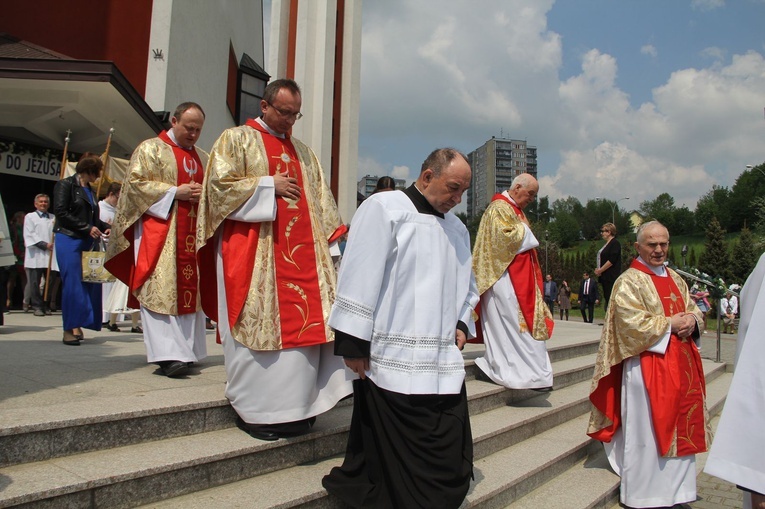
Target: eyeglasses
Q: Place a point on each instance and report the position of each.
(287, 114)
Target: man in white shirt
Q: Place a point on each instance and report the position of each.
(402, 314)
(38, 236)
(728, 311)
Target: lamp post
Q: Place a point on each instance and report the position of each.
(547, 236)
(613, 207)
(750, 167)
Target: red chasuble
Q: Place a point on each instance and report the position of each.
(155, 234)
(674, 382)
(295, 272)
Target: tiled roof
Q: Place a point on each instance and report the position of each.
(11, 47)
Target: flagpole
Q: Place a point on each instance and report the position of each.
(53, 235)
(105, 160)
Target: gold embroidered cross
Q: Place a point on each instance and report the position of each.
(285, 158)
(673, 298)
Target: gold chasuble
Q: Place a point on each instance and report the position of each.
(638, 316)
(163, 277)
(499, 238)
(278, 275)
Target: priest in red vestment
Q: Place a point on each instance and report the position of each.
(153, 243)
(267, 223)
(648, 393)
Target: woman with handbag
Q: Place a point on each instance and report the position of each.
(77, 229)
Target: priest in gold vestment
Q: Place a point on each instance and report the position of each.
(267, 221)
(514, 320)
(153, 243)
(648, 393)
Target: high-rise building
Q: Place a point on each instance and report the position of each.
(495, 164)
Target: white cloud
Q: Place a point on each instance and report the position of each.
(714, 53)
(455, 75)
(707, 5)
(400, 172)
(650, 50)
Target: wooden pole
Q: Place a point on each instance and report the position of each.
(53, 237)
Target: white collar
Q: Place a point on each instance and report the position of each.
(260, 121)
(659, 271)
(172, 137)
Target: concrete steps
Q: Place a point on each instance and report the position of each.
(181, 449)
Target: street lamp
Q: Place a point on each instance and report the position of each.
(613, 207)
(750, 167)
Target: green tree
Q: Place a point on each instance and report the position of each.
(748, 186)
(565, 229)
(683, 221)
(715, 260)
(715, 203)
(662, 209)
(744, 257)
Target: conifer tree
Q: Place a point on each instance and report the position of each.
(715, 260)
(744, 257)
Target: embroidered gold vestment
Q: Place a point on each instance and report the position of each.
(237, 163)
(152, 171)
(634, 322)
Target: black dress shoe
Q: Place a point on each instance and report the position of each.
(136, 330)
(259, 431)
(70, 339)
(173, 368)
(113, 327)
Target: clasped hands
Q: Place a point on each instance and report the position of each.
(683, 324)
(190, 192)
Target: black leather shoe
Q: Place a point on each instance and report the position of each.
(113, 327)
(70, 339)
(258, 431)
(136, 330)
(174, 368)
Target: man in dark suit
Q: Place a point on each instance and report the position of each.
(588, 297)
(551, 292)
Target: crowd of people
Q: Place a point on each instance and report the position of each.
(255, 225)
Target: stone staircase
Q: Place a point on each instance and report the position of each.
(183, 450)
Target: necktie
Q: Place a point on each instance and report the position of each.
(587, 287)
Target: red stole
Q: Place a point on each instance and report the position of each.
(155, 235)
(526, 277)
(294, 258)
(675, 381)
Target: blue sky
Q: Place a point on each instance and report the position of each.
(620, 97)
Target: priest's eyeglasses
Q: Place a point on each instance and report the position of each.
(287, 114)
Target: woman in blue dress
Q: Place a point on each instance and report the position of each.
(77, 228)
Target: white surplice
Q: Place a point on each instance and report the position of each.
(405, 282)
(309, 380)
(513, 359)
(737, 450)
